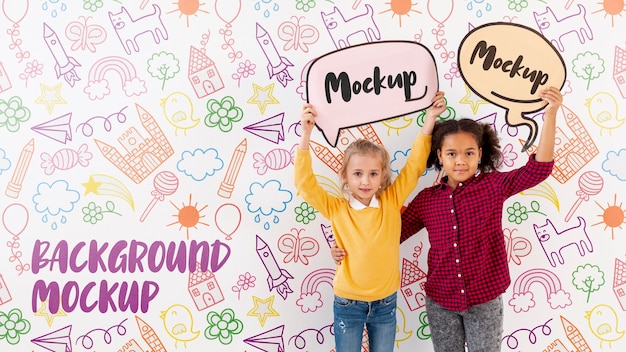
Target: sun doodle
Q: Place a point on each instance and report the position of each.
(612, 216)
(188, 8)
(188, 216)
(400, 8)
(612, 8)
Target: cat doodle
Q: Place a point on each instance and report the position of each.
(342, 31)
(128, 29)
(555, 29)
(553, 242)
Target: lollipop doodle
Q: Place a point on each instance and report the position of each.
(590, 184)
(165, 184)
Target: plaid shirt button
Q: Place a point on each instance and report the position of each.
(477, 234)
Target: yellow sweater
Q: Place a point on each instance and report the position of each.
(371, 236)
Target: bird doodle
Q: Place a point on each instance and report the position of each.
(603, 323)
(178, 323)
(178, 110)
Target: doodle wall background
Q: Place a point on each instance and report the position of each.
(146, 171)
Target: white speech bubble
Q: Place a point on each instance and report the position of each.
(369, 83)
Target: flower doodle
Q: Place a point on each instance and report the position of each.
(223, 114)
(12, 326)
(92, 213)
(245, 282)
(305, 213)
(223, 326)
(12, 113)
(517, 213)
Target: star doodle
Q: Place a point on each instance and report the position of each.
(263, 309)
(263, 96)
(474, 104)
(50, 96)
(44, 312)
(92, 186)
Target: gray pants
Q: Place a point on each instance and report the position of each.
(481, 327)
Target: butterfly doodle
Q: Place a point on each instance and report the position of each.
(297, 36)
(85, 36)
(516, 247)
(296, 247)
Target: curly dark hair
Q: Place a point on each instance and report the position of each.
(485, 136)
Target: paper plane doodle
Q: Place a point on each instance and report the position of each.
(269, 341)
(270, 129)
(58, 129)
(56, 341)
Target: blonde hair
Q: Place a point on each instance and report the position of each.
(365, 147)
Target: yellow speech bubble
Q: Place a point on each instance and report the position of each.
(508, 64)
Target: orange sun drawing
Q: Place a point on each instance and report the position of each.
(612, 216)
(188, 8)
(612, 8)
(188, 216)
(401, 8)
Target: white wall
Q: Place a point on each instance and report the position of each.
(70, 216)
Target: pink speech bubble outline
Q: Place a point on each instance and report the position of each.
(515, 84)
(370, 82)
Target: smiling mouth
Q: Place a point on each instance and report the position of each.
(515, 100)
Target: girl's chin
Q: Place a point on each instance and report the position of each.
(461, 178)
(364, 199)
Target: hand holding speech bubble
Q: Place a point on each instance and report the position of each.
(508, 64)
(370, 82)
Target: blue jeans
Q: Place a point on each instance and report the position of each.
(351, 316)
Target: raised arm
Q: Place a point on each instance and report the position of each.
(436, 109)
(307, 119)
(545, 149)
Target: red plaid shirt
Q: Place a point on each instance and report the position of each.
(467, 261)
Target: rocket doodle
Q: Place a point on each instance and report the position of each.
(277, 277)
(277, 65)
(64, 65)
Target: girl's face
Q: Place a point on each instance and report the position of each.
(459, 155)
(364, 176)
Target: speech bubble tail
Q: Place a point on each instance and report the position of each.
(331, 135)
(517, 118)
(529, 143)
(532, 136)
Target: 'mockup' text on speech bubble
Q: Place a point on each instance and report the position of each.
(368, 83)
(508, 64)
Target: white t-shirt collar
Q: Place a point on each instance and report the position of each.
(355, 204)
